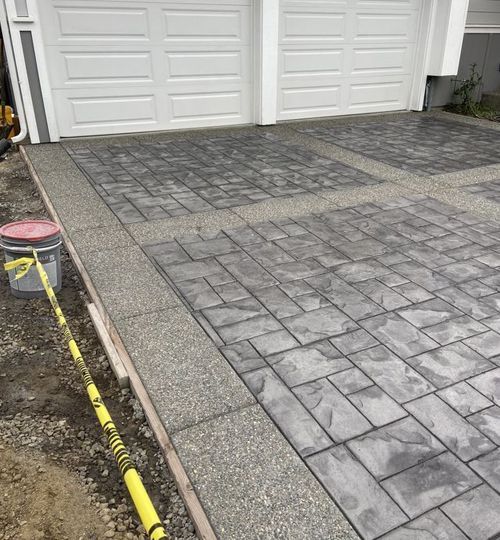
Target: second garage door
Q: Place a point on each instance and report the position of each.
(346, 56)
(118, 66)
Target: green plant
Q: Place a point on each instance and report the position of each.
(467, 93)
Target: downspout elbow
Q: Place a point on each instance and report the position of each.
(23, 133)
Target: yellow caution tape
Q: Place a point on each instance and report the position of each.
(25, 264)
(140, 497)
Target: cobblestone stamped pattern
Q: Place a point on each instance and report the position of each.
(158, 180)
(370, 335)
(423, 146)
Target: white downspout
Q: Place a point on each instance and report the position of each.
(13, 74)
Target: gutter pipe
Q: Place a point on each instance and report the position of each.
(428, 94)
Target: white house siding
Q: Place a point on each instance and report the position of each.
(484, 13)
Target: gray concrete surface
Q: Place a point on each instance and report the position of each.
(101, 239)
(377, 288)
(423, 145)
(171, 178)
(163, 229)
(80, 212)
(127, 282)
(393, 241)
(186, 377)
(61, 176)
(256, 490)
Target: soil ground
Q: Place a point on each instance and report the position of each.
(58, 479)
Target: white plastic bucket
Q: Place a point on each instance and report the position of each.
(18, 239)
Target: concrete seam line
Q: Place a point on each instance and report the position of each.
(186, 490)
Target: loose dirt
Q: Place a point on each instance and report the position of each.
(58, 479)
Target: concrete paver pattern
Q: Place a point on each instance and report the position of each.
(164, 179)
(421, 145)
(369, 335)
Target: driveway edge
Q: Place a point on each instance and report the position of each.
(186, 490)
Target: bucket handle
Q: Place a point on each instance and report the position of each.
(29, 249)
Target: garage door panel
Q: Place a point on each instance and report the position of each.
(76, 67)
(297, 64)
(312, 62)
(386, 27)
(80, 22)
(299, 26)
(204, 66)
(382, 60)
(117, 110)
(309, 102)
(320, 4)
(199, 107)
(210, 25)
(378, 95)
(392, 4)
(106, 112)
(110, 109)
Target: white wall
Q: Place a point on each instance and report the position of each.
(449, 25)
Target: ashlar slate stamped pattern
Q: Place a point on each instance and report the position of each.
(423, 146)
(147, 181)
(377, 355)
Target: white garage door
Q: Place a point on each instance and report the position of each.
(118, 66)
(345, 56)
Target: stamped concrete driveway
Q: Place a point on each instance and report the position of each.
(161, 179)
(349, 272)
(422, 145)
(368, 336)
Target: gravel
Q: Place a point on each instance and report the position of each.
(45, 415)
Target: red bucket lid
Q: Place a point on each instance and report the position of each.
(30, 230)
